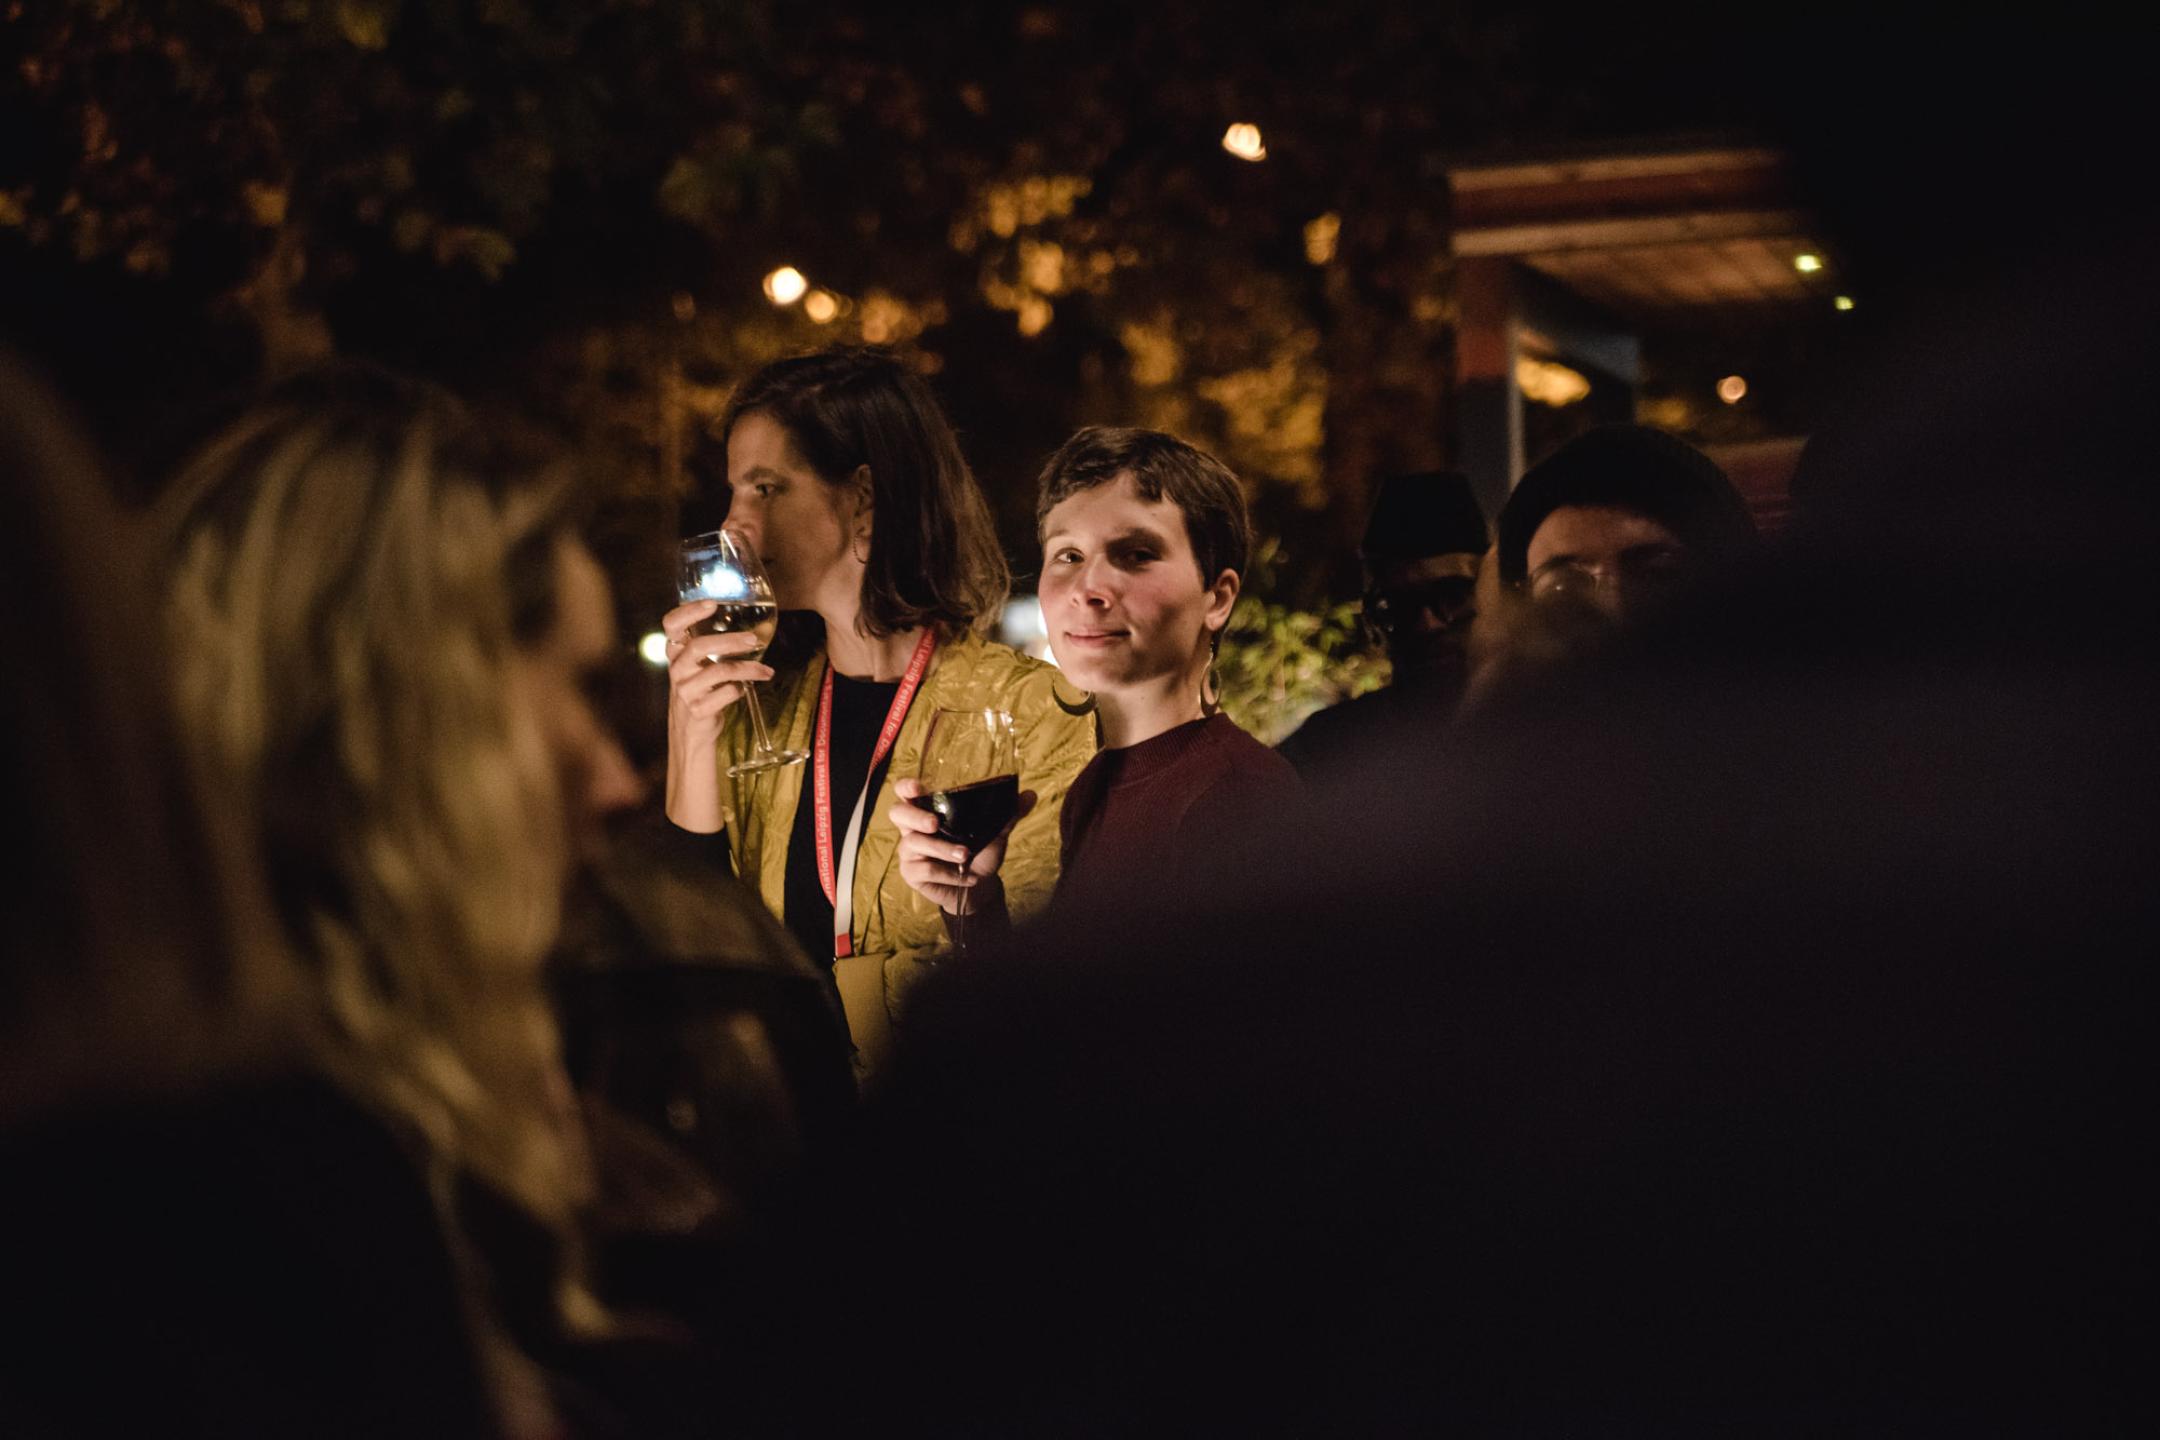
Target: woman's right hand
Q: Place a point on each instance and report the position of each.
(941, 870)
(706, 674)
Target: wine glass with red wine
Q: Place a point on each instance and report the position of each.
(970, 776)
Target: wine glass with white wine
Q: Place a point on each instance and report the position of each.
(721, 566)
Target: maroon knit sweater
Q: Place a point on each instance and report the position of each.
(1145, 818)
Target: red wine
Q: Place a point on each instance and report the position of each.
(732, 616)
(972, 815)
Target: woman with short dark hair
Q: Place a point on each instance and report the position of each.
(848, 481)
(1145, 540)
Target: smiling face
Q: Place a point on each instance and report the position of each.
(805, 530)
(1122, 595)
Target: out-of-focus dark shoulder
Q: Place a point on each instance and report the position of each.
(1334, 738)
(260, 1261)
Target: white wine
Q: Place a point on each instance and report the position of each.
(735, 616)
(723, 567)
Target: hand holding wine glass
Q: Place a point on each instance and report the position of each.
(956, 816)
(703, 683)
(715, 637)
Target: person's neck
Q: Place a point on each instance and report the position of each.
(867, 657)
(1142, 712)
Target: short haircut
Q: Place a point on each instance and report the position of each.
(934, 554)
(1163, 467)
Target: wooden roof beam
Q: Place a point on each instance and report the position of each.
(1562, 235)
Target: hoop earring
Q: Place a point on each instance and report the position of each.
(1211, 683)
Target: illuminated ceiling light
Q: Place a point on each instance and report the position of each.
(653, 648)
(1807, 264)
(1548, 382)
(1243, 141)
(821, 306)
(1843, 302)
(1732, 389)
(785, 285)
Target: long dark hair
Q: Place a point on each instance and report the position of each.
(934, 554)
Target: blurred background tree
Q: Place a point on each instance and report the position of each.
(608, 212)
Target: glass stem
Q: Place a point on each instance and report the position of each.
(757, 720)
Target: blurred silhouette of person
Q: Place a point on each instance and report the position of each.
(1420, 554)
(686, 1005)
(1145, 539)
(382, 623)
(212, 1224)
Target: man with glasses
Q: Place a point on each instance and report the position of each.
(1420, 554)
(1615, 525)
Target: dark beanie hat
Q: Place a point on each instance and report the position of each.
(1430, 513)
(1630, 467)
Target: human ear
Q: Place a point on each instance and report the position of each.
(864, 492)
(1222, 598)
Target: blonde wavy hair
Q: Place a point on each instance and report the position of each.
(344, 627)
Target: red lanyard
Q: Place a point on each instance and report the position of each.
(839, 887)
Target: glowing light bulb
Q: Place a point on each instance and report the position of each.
(821, 306)
(785, 285)
(653, 648)
(1807, 264)
(1843, 302)
(1732, 389)
(1243, 140)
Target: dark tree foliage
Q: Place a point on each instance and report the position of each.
(574, 204)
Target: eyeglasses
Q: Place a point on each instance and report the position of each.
(1449, 600)
(1648, 571)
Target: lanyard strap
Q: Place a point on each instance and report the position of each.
(840, 888)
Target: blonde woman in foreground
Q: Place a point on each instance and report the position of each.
(207, 1227)
(381, 618)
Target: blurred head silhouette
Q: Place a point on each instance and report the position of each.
(137, 955)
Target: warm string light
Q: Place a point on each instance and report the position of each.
(1732, 389)
(786, 285)
(1243, 140)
